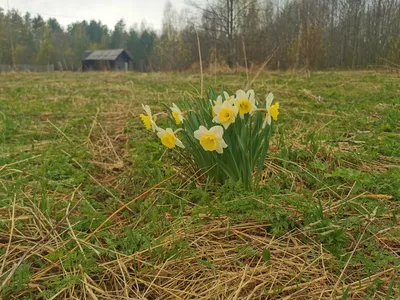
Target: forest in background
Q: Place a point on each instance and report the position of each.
(295, 34)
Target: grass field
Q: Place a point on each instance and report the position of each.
(93, 207)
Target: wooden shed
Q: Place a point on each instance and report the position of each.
(108, 59)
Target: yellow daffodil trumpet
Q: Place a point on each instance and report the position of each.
(168, 138)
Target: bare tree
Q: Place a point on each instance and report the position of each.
(225, 17)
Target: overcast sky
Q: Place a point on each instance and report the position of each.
(107, 11)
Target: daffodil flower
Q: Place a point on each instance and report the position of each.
(245, 102)
(272, 111)
(225, 114)
(177, 114)
(168, 138)
(220, 101)
(211, 140)
(148, 120)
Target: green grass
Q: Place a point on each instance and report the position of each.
(325, 222)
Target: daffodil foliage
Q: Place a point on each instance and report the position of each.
(226, 135)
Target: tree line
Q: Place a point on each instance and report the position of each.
(312, 34)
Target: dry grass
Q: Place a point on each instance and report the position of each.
(213, 269)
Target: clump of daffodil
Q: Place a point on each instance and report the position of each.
(211, 140)
(148, 119)
(272, 111)
(177, 114)
(168, 138)
(245, 102)
(225, 114)
(241, 130)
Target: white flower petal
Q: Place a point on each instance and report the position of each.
(240, 94)
(179, 143)
(235, 110)
(269, 99)
(175, 108)
(226, 95)
(219, 150)
(161, 132)
(147, 109)
(231, 100)
(269, 119)
(226, 124)
(217, 109)
(218, 131)
(154, 126)
(218, 101)
(221, 146)
(203, 129)
(250, 95)
(226, 104)
(198, 134)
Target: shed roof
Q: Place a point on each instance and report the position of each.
(108, 54)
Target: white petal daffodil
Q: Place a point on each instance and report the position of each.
(245, 102)
(225, 114)
(177, 114)
(168, 138)
(211, 140)
(148, 120)
(272, 111)
(219, 101)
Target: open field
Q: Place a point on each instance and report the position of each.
(93, 207)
